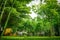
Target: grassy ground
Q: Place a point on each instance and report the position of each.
(29, 38)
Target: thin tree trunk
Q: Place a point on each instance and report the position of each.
(3, 10)
(52, 31)
(6, 23)
(8, 18)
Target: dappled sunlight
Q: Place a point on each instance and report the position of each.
(33, 14)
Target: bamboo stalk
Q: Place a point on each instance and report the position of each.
(7, 19)
(3, 10)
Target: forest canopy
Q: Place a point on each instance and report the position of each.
(41, 19)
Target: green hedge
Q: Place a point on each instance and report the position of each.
(29, 38)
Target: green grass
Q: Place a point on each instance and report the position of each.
(29, 38)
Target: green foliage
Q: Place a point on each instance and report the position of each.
(50, 9)
(15, 14)
(12, 12)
